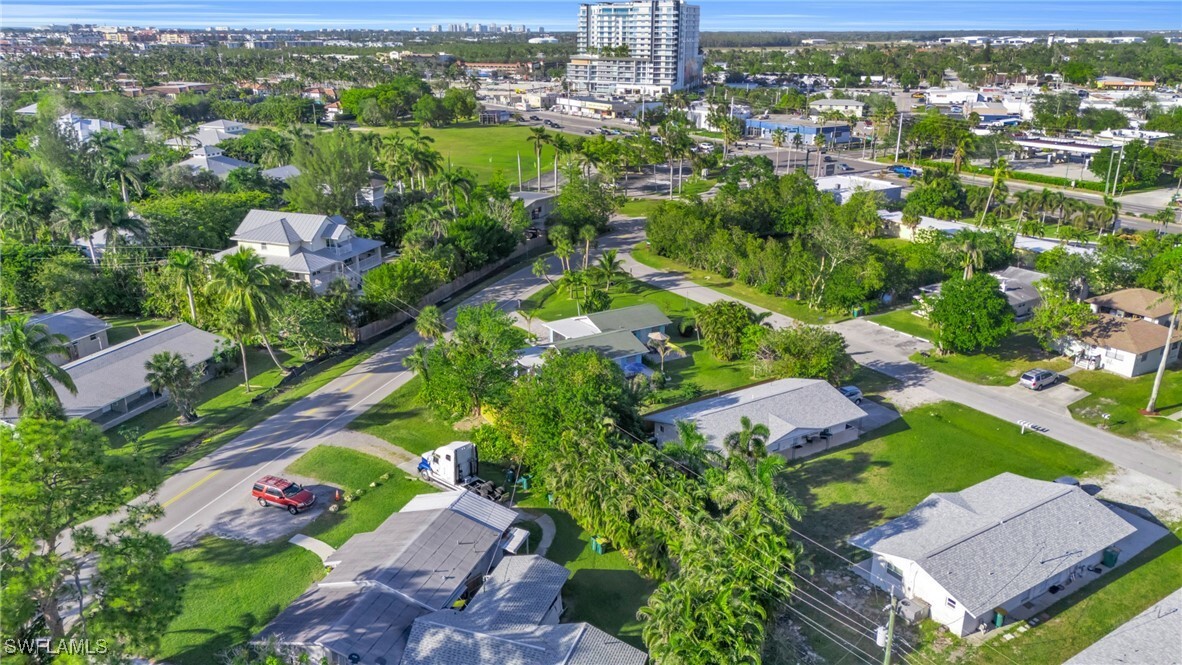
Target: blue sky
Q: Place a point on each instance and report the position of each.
(560, 14)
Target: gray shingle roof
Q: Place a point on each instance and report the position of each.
(789, 407)
(1153, 637)
(118, 371)
(504, 624)
(418, 561)
(636, 317)
(995, 540)
(612, 345)
(219, 165)
(282, 172)
(75, 323)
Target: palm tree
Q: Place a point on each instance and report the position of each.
(587, 234)
(416, 360)
(430, 324)
(453, 181)
(168, 372)
(610, 266)
(750, 441)
(243, 283)
(779, 138)
(541, 268)
(660, 343)
(114, 164)
(187, 266)
(972, 258)
(690, 451)
(1001, 171)
(749, 491)
(1112, 214)
(76, 218)
(23, 200)
(797, 143)
(26, 363)
(118, 223)
(1171, 293)
(393, 156)
(538, 137)
(963, 148)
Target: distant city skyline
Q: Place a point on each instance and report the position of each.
(561, 15)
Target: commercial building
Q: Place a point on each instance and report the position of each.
(643, 47)
(834, 132)
(846, 107)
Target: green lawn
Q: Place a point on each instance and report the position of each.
(1122, 399)
(639, 207)
(405, 421)
(350, 471)
(943, 447)
(488, 148)
(1092, 612)
(550, 303)
(231, 591)
(786, 306)
(998, 367)
(124, 328)
(701, 369)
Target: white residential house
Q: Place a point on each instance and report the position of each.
(1145, 304)
(83, 128)
(316, 249)
(977, 557)
(210, 133)
(209, 158)
(804, 416)
(1128, 347)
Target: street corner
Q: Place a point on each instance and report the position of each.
(245, 520)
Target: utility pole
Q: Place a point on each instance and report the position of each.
(1116, 179)
(899, 138)
(890, 631)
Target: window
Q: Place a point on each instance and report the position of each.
(892, 570)
(271, 491)
(950, 603)
(262, 246)
(93, 337)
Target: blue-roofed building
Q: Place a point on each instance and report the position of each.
(316, 249)
(834, 132)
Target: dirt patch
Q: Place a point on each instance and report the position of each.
(1137, 490)
(370, 445)
(909, 397)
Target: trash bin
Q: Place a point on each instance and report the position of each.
(1111, 555)
(856, 312)
(999, 617)
(597, 545)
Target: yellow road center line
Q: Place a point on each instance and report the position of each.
(192, 487)
(354, 384)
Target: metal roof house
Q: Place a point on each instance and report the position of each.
(82, 129)
(805, 416)
(316, 249)
(208, 158)
(979, 555)
(389, 597)
(621, 335)
(111, 385)
(85, 332)
(513, 620)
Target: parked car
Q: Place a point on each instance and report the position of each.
(846, 167)
(535, 118)
(276, 491)
(917, 95)
(1037, 379)
(904, 171)
(555, 125)
(853, 393)
(589, 132)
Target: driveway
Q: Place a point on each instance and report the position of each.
(1056, 398)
